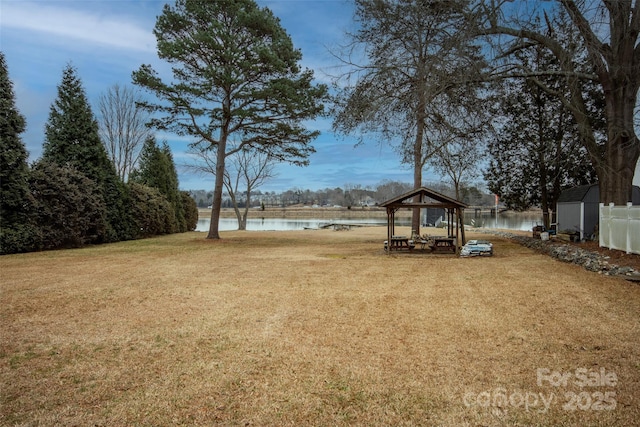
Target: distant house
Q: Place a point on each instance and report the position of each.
(578, 209)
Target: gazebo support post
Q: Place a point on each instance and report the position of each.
(461, 221)
(457, 211)
(391, 222)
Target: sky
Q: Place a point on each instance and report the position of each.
(106, 40)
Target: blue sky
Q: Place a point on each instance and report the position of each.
(108, 39)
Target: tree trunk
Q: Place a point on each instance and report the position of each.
(616, 180)
(542, 165)
(217, 191)
(417, 183)
(544, 195)
(234, 204)
(616, 167)
(243, 221)
(463, 238)
(623, 146)
(418, 161)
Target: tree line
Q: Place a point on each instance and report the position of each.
(72, 196)
(348, 196)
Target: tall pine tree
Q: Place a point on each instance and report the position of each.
(14, 171)
(72, 138)
(236, 83)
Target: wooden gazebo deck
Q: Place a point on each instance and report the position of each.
(426, 198)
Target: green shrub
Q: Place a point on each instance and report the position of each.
(20, 238)
(190, 211)
(152, 214)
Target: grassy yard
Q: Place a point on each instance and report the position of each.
(312, 328)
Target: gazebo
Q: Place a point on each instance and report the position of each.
(426, 198)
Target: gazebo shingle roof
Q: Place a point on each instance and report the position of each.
(406, 200)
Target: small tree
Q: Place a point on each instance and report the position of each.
(157, 170)
(191, 213)
(236, 84)
(123, 127)
(458, 161)
(246, 171)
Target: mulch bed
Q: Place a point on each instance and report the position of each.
(615, 256)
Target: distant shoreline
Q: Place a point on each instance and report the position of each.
(309, 212)
(327, 213)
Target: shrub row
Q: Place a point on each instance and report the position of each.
(67, 210)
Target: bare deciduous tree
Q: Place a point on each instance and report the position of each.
(245, 171)
(418, 59)
(609, 31)
(123, 127)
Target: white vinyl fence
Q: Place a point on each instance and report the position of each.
(620, 227)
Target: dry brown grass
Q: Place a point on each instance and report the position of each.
(308, 328)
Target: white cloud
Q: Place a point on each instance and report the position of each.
(75, 25)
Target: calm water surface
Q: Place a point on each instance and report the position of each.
(508, 220)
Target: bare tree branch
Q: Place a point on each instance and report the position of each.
(123, 127)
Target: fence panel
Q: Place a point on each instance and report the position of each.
(634, 230)
(603, 225)
(620, 227)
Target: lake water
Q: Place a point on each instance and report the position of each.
(508, 220)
